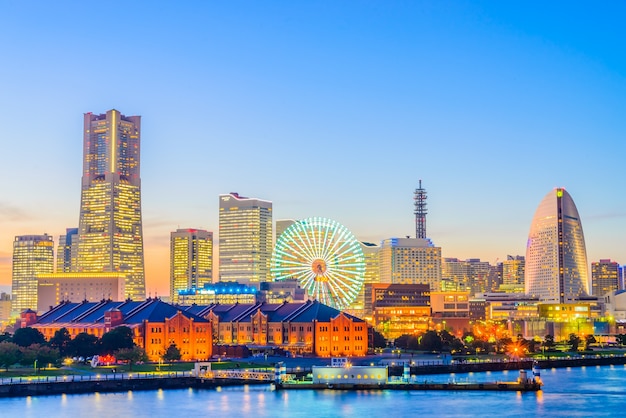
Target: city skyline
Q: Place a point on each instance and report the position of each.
(325, 110)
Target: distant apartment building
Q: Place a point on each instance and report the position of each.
(513, 272)
(191, 260)
(605, 277)
(5, 309)
(410, 261)
(471, 275)
(67, 250)
(32, 255)
(245, 239)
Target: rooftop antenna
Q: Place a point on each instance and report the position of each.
(420, 211)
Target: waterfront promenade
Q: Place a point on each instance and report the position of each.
(97, 381)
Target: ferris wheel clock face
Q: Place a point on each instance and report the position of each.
(324, 257)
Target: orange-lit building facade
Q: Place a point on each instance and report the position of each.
(303, 328)
(155, 325)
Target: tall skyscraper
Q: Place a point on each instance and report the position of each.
(191, 262)
(556, 258)
(605, 277)
(110, 237)
(32, 255)
(410, 261)
(66, 251)
(245, 239)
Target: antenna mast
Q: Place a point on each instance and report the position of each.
(420, 211)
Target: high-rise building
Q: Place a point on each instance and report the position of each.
(282, 225)
(513, 270)
(605, 277)
(245, 239)
(32, 255)
(556, 258)
(110, 237)
(66, 251)
(191, 260)
(372, 276)
(410, 261)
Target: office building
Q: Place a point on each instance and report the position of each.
(67, 250)
(410, 261)
(371, 254)
(191, 260)
(110, 237)
(245, 239)
(32, 255)
(54, 288)
(556, 258)
(513, 273)
(605, 277)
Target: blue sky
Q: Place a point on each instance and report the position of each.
(326, 108)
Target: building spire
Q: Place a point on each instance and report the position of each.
(420, 211)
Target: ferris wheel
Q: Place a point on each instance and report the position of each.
(324, 257)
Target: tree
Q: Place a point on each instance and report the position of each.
(9, 354)
(25, 337)
(172, 353)
(83, 345)
(42, 354)
(379, 340)
(574, 342)
(61, 341)
(116, 339)
(589, 339)
(5, 336)
(430, 341)
(131, 355)
(548, 342)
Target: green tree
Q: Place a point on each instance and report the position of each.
(574, 342)
(61, 341)
(116, 339)
(83, 345)
(5, 336)
(131, 355)
(25, 337)
(9, 354)
(172, 353)
(43, 354)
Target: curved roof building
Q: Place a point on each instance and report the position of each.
(556, 258)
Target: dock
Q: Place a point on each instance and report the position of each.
(528, 386)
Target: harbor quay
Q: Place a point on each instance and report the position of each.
(120, 382)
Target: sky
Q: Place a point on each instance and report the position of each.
(326, 108)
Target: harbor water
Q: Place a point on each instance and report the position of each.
(597, 391)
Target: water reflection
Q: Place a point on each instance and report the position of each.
(574, 392)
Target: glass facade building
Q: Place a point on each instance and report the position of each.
(32, 255)
(556, 259)
(66, 251)
(110, 237)
(245, 239)
(191, 260)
